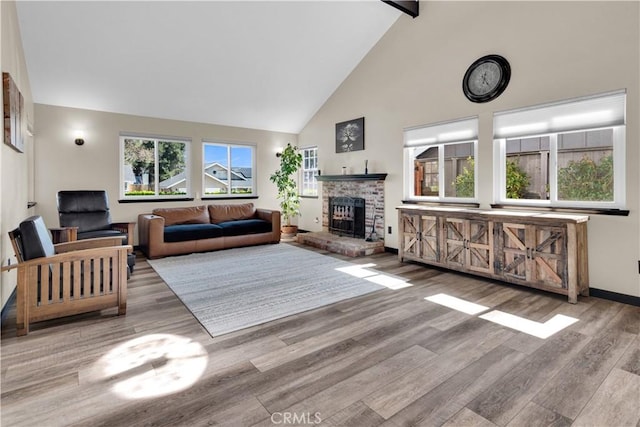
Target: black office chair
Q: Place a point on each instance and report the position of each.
(84, 214)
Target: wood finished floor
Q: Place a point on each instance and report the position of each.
(389, 358)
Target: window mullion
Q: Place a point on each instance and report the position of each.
(441, 189)
(619, 166)
(553, 168)
(156, 167)
(229, 170)
(499, 174)
(476, 196)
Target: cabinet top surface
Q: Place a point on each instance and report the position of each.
(496, 213)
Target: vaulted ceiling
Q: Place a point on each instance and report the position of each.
(264, 64)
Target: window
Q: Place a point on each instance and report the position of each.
(567, 154)
(310, 171)
(229, 170)
(440, 161)
(154, 167)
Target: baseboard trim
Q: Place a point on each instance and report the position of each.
(391, 250)
(615, 296)
(5, 309)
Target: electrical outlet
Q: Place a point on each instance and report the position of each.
(389, 230)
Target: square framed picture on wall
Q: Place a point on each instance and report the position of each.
(350, 135)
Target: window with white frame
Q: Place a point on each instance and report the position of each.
(565, 154)
(229, 169)
(154, 167)
(309, 171)
(440, 161)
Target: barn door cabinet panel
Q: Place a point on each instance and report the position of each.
(468, 244)
(420, 237)
(534, 254)
(544, 251)
(429, 238)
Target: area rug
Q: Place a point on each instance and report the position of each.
(233, 289)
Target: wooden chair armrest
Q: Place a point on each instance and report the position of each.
(64, 234)
(82, 254)
(98, 242)
(9, 267)
(126, 228)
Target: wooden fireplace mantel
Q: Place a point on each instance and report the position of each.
(357, 177)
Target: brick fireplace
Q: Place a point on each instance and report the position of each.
(366, 187)
(369, 187)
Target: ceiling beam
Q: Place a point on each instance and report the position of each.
(410, 7)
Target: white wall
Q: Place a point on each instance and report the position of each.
(557, 50)
(17, 168)
(62, 165)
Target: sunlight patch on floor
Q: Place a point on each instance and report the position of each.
(457, 304)
(389, 282)
(375, 276)
(531, 327)
(153, 365)
(537, 329)
(358, 270)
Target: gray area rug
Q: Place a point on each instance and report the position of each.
(233, 289)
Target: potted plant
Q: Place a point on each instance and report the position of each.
(290, 162)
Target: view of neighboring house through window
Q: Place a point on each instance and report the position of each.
(228, 169)
(153, 167)
(576, 157)
(310, 171)
(440, 161)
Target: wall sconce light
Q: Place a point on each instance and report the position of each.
(79, 137)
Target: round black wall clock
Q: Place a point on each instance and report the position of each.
(486, 78)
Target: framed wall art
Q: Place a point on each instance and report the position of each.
(350, 135)
(13, 113)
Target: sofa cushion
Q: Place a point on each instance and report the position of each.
(186, 232)
(222, 213)
(245, 226)
(186, 215)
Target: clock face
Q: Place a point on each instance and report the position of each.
(486, 78)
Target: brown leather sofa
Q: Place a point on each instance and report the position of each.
(184, 230)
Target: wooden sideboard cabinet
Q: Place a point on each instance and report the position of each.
(541, 250)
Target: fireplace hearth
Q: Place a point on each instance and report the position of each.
(347, 216)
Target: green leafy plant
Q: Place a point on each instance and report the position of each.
(465, 182)
(517, 181)
(586, 180)
(171, 159)
(140, 155)
(290, 162)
